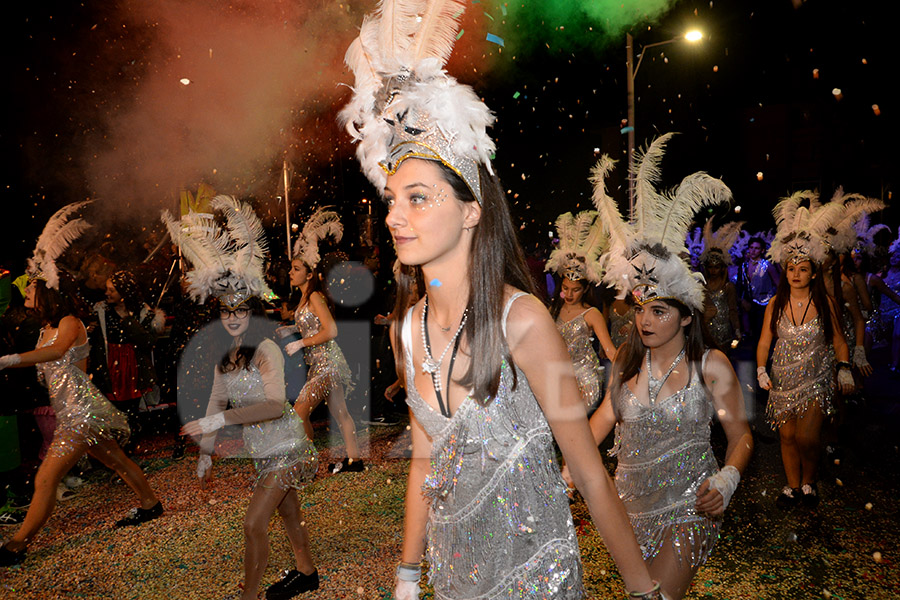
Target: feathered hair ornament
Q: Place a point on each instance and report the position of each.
(645, 257)
(865, 235)
(807, 229)
(404, 104)
(228, 261)
(718, 243)
(843, 236)
(581, 242)
(323, 223)
(59, 232)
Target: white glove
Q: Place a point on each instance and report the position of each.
(204, 464)
(212, 422)
(725, 481)
(294, 347)
(845, 378)
(407, 590)
(763, 378)
(9, 360)
(859, 358)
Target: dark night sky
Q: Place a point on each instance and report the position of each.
(746, 100)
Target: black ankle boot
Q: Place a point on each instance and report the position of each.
(292, 583)
(9, 557)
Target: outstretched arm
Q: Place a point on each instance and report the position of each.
(69, 330)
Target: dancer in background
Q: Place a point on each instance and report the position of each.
(489, 380)
(805, 323)
(666, 385)
(574, 261)
(724, 326)
(86, 422)
(888, 287)
(329, 377)
(228, 264)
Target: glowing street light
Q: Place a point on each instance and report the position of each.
(692, 36)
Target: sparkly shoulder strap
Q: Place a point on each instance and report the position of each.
(508, 306)
(406, 333)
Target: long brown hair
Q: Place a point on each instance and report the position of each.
(817, 293)
(630, 356)
(496, 260)
(588, 296)
(51, 305)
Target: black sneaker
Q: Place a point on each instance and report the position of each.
(139, 515)
(292, 583)
(348, 465)
(9, 558)
(11, 517)
(788, 499)
(809, 495)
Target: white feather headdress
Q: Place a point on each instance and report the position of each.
(807, 229)
(695, 243)
(645, 256)
(228, 262)
(404, 104)
(59, 232)
(719, 242)
(843, 236)
(865, 234)
(323, 223)
(581, 242)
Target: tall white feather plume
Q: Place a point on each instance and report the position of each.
(248, 244)
(718, 243)
(59, 232)
(645, 256)
(437, 31)
(842, 236)
(865, 234)
(322, 224)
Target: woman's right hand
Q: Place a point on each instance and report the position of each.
(407, 590)
(763, 378)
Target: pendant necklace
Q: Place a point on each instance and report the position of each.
(432, 367)
(654, 385)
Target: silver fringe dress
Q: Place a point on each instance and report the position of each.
(83, 413)
(720, 325)
(664, 455)
(277, 445)
(802, 371)
(328, 368)
(499, 522)
(588, 371)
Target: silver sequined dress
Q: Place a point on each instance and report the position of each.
(328, 368)
(720, 326)
(83, 414)
(802, 371)
(273, 433)
(664, 455)
(499, 522)
(577, 334)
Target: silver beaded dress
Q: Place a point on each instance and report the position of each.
(664, 455)
(328, 368)
(273, 433)
(499, 521)
(620, 326)
(720, 325)
(802, 371)
(83, 413)
(589, 373)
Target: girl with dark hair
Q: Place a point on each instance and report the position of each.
(248, 389)
(86, 422)
(329, 376)
(804, 321)
(489, 381)
(666, 385)
(575, 262)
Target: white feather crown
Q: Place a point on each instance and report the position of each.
(807, 229)
(718, 243)
(323, 223)
(404, 104)
(228, 262)
(581, 242)
(645, 257)
(59, 232)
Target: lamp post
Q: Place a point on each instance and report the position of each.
(691, 36)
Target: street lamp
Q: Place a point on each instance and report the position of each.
(692, 36)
